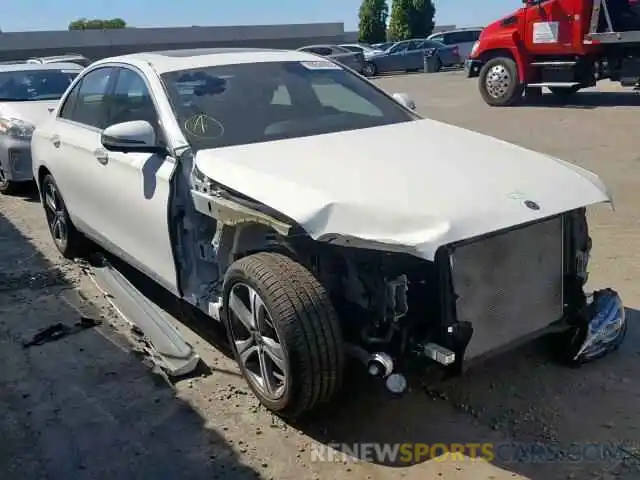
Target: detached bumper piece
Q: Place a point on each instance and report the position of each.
(606, 329)
(472, 68)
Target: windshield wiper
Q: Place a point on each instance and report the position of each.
(14, 99)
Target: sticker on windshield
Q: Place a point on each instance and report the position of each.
(319, 65)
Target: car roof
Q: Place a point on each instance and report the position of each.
(22, 67)
(54, 57)
(456, 30)
(186, 59)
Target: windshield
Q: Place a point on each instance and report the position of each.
(259, 102)
(30, 85)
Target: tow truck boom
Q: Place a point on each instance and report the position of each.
(564, 45)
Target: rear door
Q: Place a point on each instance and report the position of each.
(395, 58)
(549, 25)
(76, 147)
(414, 58)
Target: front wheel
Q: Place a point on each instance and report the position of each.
(370, 69)
(499, 82)
(284, 333)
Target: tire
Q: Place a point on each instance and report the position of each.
(564, 92)
(369, 69)
(499, 82)
(70, 243)
(299, 318)
(7, 187)
(438, 65)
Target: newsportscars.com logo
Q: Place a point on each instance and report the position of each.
(508, 452)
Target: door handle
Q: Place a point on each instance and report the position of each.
(101, 156)
(55, 141)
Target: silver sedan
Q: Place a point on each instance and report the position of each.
(28, 94)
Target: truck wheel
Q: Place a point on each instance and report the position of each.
(284, 333)
(499, 82)
(564, 92)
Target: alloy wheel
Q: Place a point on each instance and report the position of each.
(256, 341)
(55, 213)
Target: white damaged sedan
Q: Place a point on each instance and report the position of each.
(318, 217)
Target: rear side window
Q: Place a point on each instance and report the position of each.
(87, 103)
(467, 36)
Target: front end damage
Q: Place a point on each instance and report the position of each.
(473, 299)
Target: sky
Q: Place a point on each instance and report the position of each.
(25, 15)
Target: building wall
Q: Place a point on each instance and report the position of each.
(97, 44)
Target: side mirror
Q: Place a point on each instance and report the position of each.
(136, 136)
(404, 100)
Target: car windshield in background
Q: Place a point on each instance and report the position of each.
(32, 85)
(259, 102)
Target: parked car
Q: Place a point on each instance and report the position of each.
(69, 58)
(463, 38)
(353, 60)
(361, 47)
(282, 195)
(409, 56)
(27, 95)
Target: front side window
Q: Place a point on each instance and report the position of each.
(131, 100)
(34, 85)
(249, 103)
(88, 105)
(399, 47)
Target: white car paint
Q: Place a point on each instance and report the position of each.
(412, 186)
(122, 205)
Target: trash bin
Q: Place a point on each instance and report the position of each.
(430, 61)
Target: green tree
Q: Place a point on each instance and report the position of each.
(421, 18)
(373, 21)
(97, 24)
(400, 21)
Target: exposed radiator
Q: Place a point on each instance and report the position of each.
(510, 285)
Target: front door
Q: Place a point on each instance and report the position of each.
(137, 186)
(549, 27)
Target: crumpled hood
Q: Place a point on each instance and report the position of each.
(413, 186)
(34, 112)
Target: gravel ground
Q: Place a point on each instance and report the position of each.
(90, 406)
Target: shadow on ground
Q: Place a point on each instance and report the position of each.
(81, 405)
(529, 408)
(586, 100)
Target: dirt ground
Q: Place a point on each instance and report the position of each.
(88, 406)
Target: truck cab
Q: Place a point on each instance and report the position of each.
(563, 45)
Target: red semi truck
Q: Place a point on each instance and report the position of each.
(563, 45)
